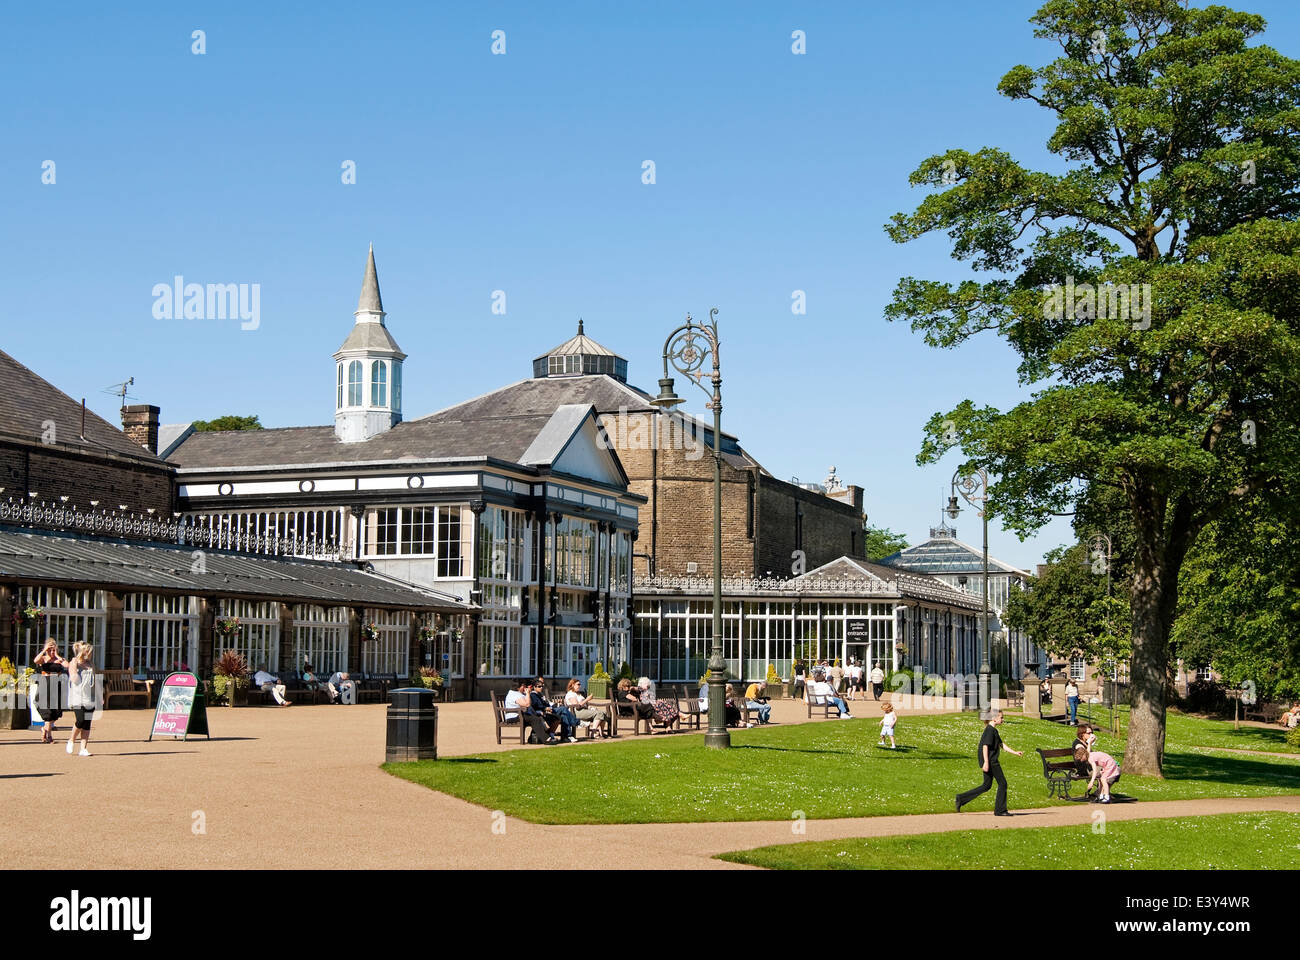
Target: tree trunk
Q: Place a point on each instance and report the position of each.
(1145, 751)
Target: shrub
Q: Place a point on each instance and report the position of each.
(1293, 738)
(231, 663)
(773, 678)
(625, 672)
(1205, 696)
(599, 673)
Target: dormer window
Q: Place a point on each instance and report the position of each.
(379, 384)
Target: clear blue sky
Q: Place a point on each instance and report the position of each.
(522, 173)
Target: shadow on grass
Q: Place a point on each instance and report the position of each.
(755, 746)
(1235, 770)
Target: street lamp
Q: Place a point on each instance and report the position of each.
(687, 348)
(974, 489)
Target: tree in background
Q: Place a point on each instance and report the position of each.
(1150, 285)
(230, 422)
(880, 542)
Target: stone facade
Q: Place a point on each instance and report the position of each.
(764, 520)
(60, 470)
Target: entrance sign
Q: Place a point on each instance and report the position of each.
(857, 630)
(180, 711)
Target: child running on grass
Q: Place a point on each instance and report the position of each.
(887, 726)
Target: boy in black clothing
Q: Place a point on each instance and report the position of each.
(987, 754)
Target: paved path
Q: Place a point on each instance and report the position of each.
(300, 787)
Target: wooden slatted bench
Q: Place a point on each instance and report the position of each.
(499, 714)
(1061, 772)
(121, 684)
(819, 702)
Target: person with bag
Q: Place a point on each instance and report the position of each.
(800, 679)
(83, 694)
(987, 753)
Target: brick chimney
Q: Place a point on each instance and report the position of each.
(140, 424)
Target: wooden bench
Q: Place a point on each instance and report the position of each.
(120, 683)
(689, 708)
(816, 701)
(499, 715)
(1267, 712)
(1061, 772)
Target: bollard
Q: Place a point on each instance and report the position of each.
(412, 725)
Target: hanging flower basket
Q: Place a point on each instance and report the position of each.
(29, 616)
(225, 627)
(369, 632)
(427, 634)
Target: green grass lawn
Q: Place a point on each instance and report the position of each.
(824, 769)
(1234, 841)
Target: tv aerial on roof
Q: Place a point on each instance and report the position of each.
(119, 390)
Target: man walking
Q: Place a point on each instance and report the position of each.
(987, 754)
(877, 681)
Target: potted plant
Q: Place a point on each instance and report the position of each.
(230, 678)
(774, 685)
(29, 616)
(598, 683)
(15, 709)
(430, 678)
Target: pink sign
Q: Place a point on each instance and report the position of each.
(175, 702)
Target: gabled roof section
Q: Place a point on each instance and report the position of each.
(910, 584)
(29, 404)
(171, 436)
(570, 443)
(580, 344)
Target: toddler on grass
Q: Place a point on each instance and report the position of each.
(887, 726)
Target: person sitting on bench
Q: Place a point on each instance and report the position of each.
(337, 682)
(820, 688)
(271, 684)
(519, 701)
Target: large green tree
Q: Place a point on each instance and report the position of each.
(1178, 171)
(229, 422)
(880, 542)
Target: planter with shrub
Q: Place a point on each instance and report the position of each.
(230, 679)
(15, 710)
(599, 682)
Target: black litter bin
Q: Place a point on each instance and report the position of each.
(412, 725)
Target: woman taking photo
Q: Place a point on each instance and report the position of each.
(81, 694)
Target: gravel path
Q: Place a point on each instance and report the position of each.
(300, 787)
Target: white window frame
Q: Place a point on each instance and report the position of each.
(159, 632)
(320, 637)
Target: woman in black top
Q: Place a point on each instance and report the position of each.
(51, 687)
(989, 748)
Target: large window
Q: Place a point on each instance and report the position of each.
(570, 552)
(1079, 669)
(258, 637)
(502, 545)
(70, 616)
(391, 652)
(157, 632)
(378, 384)
(356, 375)
(320, 637)
(423, 531)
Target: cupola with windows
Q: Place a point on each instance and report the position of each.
(368, 369)
(578, 357)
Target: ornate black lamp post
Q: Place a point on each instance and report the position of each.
(687, 349)
(974, 489)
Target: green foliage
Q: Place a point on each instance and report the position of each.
(1293, 738)
(880, 542)
(229, 422)
(599, 672)
(625, 672)
(1067, 612)
(231, 663)
(773, 678)
(1186, 406)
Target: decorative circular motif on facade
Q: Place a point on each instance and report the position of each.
(306, 486)
(415, 482)
(226, 489)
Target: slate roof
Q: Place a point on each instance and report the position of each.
(370, 301)
(371, 337)
(27, 401)
(51, 557)
(910, 584)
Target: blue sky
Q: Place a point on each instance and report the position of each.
(520, 173)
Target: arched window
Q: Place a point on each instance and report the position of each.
(339, 403)
(355, 374)
(379, 384)
(397, 386)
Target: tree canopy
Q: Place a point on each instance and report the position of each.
(229, 422)
(1149, 287)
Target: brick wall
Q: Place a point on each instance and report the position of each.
(758, 533)
(54, 470)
